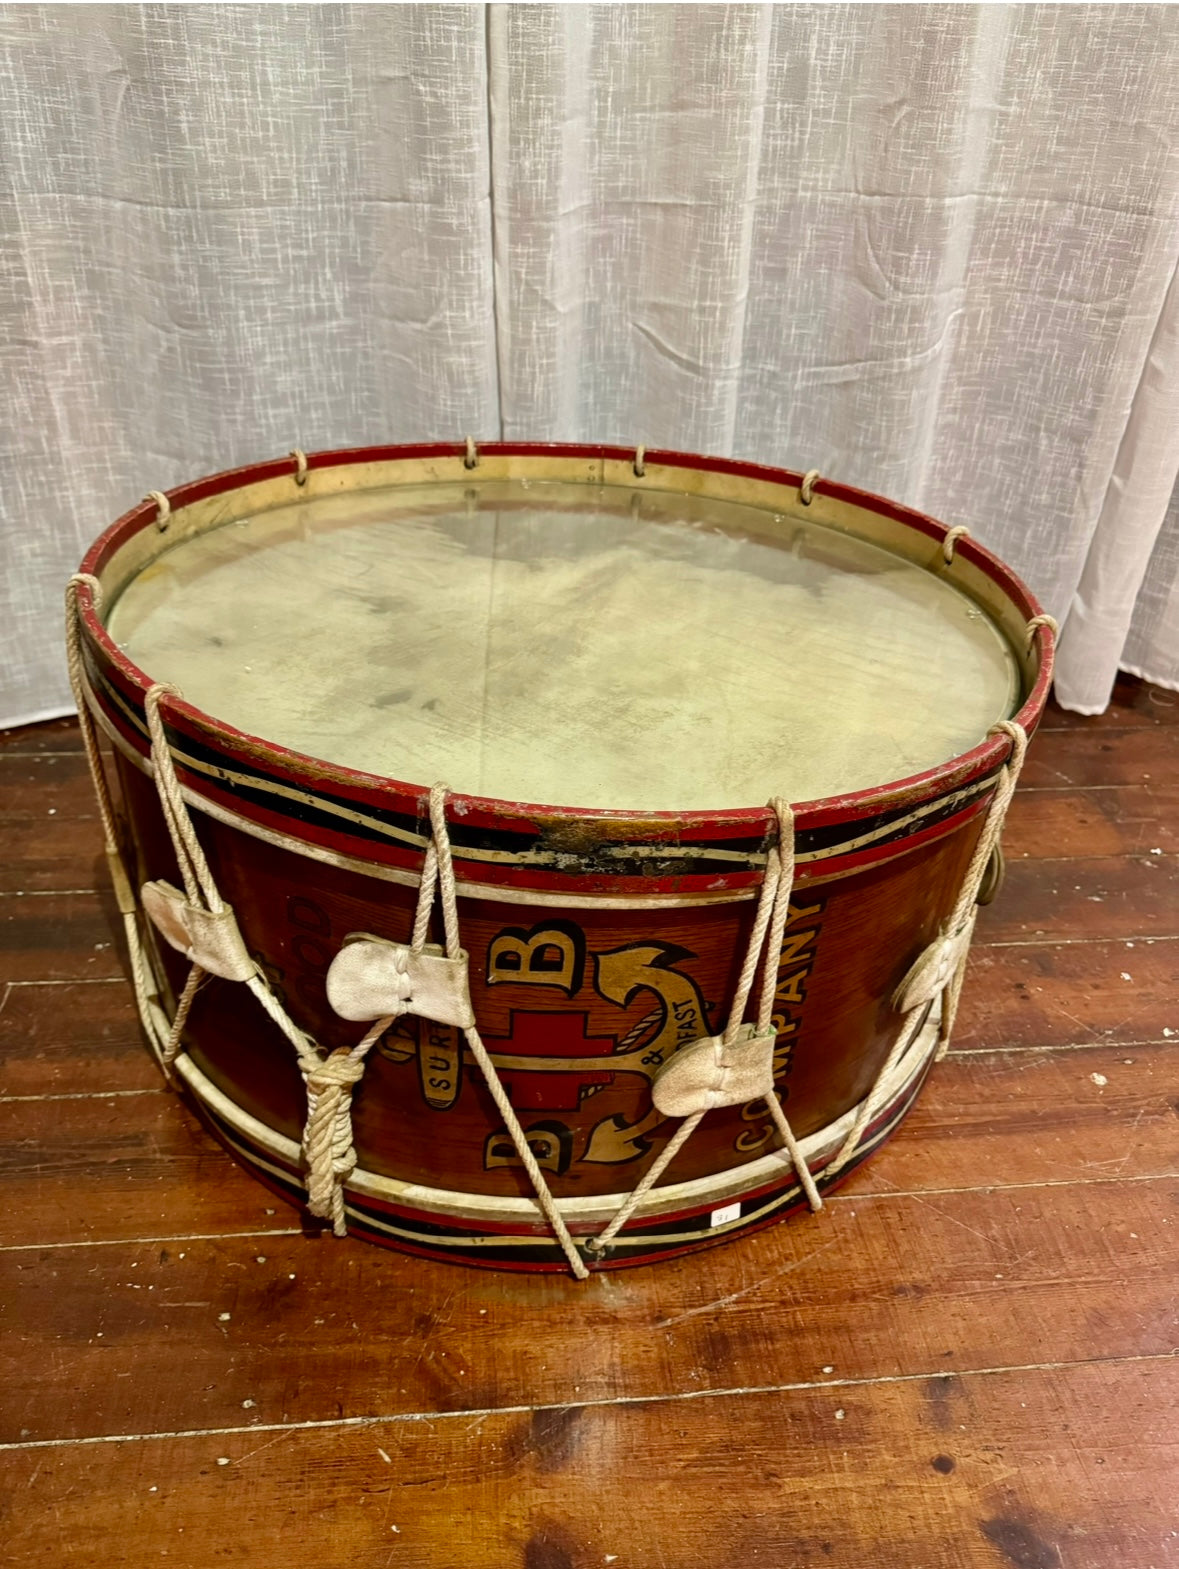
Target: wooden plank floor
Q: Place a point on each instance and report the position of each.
(971, 1357)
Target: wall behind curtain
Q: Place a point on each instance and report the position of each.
(926, 249)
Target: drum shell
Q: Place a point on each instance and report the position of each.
(848, 943)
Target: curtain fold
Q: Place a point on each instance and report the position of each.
(1152, 648)
(1129, 529)
(928, 249)
(925, 249)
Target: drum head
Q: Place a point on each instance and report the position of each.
(573, 645)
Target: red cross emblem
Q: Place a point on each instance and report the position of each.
(548, 1087)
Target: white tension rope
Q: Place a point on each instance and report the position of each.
(376, 981)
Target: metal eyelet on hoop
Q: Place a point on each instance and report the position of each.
(164, 509)
(471, 461)
(300, 458)
(640, 463)
(806, 491)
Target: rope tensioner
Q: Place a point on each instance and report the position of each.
(950, 540)
(1039, 621)
(163, 508)
(737, 1066)
(941, 967)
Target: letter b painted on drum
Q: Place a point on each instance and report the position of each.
(551, 954)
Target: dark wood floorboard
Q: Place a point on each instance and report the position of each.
(1010, 1468)
(889, 1285)
(55, 735)
(1132, 703)
(1053, 823)
(72, 1038)
(969, 1358)
(1041, 994)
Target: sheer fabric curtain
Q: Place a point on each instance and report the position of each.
(227, 231)
(929, 250)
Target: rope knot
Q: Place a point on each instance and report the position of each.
(327, 1136)
(338, 1072)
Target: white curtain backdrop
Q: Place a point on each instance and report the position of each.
(227, 231)
(930, 250)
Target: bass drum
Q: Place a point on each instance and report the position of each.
(725, 751)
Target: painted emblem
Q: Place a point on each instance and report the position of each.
(553, 1060)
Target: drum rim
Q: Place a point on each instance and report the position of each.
(981, 759)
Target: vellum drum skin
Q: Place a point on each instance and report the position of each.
(594, 1002)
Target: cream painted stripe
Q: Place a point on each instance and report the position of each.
(625, 1239)
(75, 980)
(498, 1240)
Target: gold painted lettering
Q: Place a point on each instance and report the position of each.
(550, 1142)
(547, 955)
(440, 1060)
(792, 989)
(794, 946)
(750, 1139)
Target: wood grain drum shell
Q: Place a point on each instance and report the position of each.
(599, 940)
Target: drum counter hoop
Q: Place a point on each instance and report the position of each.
(585, 1004)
